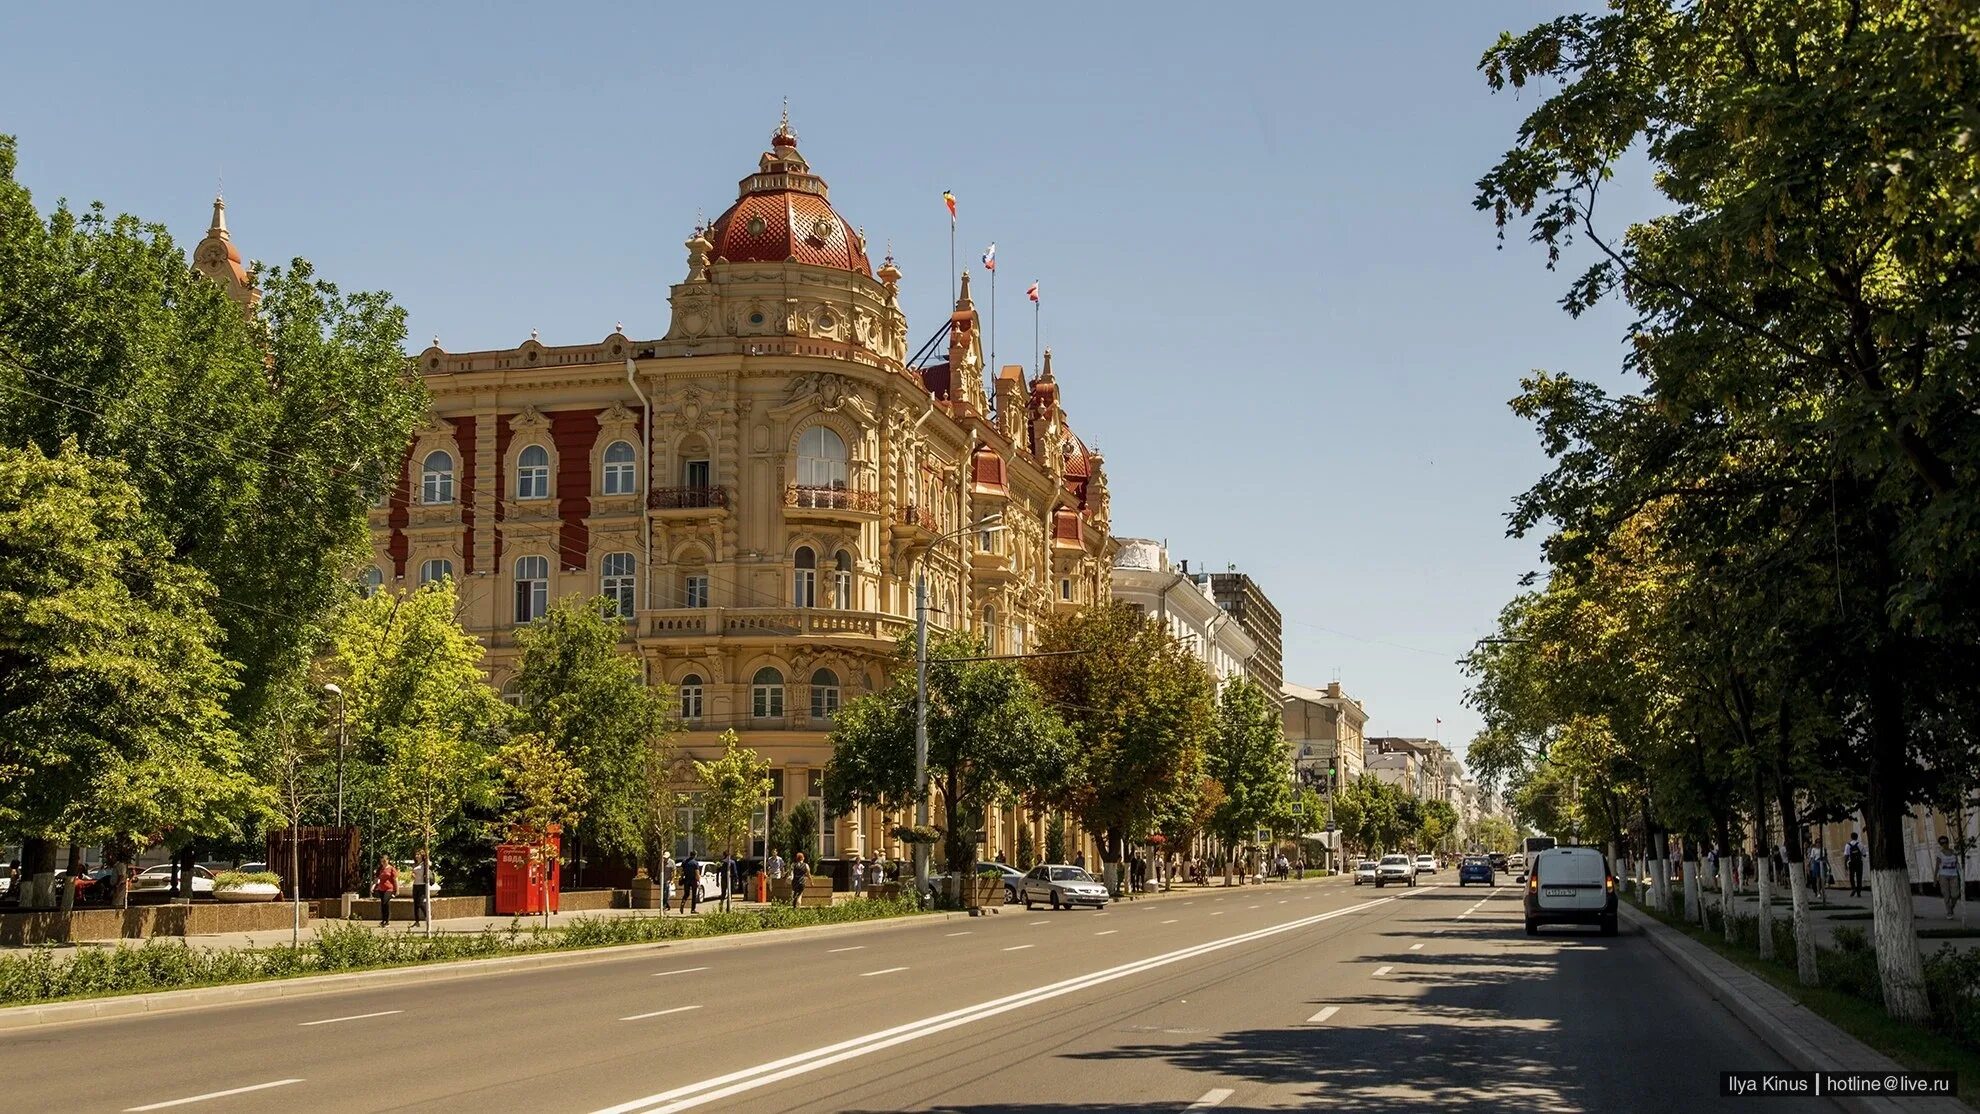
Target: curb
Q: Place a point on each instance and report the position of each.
(1699, 962)
(14, 1018)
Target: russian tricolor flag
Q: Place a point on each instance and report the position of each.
(990, 257)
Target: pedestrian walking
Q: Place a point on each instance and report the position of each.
(1853, 863)
(800, 874)
(422, 880)
(775, 866)
(1079, 859)
(859, 877)
(690, 883)
(385, 884)
(1948, 874)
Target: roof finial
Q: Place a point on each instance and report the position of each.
(219, 225)
(784, 136)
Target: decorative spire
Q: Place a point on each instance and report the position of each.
(1046, 375)
(218, 229)
(784, 136)
(962, 299)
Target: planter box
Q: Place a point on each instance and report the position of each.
(253, 891)
(443, 908)
(143, 921)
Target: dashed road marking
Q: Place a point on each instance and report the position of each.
(1323, 1015)
(659, 1013)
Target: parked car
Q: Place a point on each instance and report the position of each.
(1364, 871)
(1475, 868)
(256, 868)
(1426, 864)
(1395, 868)
(1064, 886)
(1570, 885)
(1498, 860)
(1010, 876)
(158, 879)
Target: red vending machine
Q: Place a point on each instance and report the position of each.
(520, 875)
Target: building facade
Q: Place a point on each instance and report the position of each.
(1144, 579)
(1247, 603)
(1325, 726)
(755, 491)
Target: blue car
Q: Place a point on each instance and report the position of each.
(1475, 868)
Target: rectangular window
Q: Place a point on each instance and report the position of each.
(690, 702)
(804, 588)
(842, 591)
(695, 474)
(695, 592)
(767, 701)
(1065, 588)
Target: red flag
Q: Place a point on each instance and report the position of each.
(1033, 292)
(949, 199)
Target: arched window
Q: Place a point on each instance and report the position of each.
(615, 581)
(842, 581)
(824, 694)
(532, 588)
(690, 689)
(804, 578)
(533, 473)
(620, 477)
(512, 693)
(766, 694)
(821, 459)
(369, 581)
(436, 569)
(436, 478)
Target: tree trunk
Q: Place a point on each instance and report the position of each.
(37, 874)
(1804, 931)
(186, 857)
(1895, 941)
(1763, 864)
(1694, 894)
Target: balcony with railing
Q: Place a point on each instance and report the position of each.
(914, 523)
(772, 623)
(708, 498)
(809, 501)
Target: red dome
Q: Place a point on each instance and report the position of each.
(783, 213)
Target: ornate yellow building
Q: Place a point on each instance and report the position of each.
(797, 469)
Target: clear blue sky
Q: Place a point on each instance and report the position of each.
(1271, 304)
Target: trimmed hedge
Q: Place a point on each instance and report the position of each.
(40, 975)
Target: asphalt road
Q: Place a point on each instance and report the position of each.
(1248, 999)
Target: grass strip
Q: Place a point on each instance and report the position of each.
(1913, 1046)
(39, 975)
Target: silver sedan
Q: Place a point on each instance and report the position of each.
(1062, 886)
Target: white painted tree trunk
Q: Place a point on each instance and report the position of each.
(1656, 866)
(1764, 925)
(1804, 930)
(1726, 897)
(1694, 895)
(1899, 965)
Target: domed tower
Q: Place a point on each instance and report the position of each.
(217, 258)
(783, 263)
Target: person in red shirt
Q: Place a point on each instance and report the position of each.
(385, 885)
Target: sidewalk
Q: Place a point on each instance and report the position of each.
(1839, 910)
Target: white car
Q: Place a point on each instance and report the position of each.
(1364, 871)
(1064, 886)
(1426, 864)
(1570, 885)
(1395, 868)
(711, 880)
(158, 879)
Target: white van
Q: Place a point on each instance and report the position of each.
(1570, 885)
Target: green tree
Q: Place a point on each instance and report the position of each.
(592, 701)
(542, 791)
(1248, 759)
(255, 443)
(801, 832)
(990, 737)
(1494, 833)
(1142, 710)
(733, 787)
(1055, 839)
(420, 719)
(1027, 851)
(110, 670)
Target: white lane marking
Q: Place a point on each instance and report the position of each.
(659, 1013)
(1101, 913)
(1109, 932)
(1380, 971)
(1189, 903)
(1283, 900)
(775, 1071)
(1210, 1098)
(854, 948)
(1171, 920)
(1251, 907)
(212, 1095)
(682, 971)
(1216, 912)
(964, 933)
(1020, 947)
(353, 1017)
(881, 971)
(1323, 1015)
(1416, 947)
(1028, 923)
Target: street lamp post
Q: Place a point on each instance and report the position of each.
(333, 690)
(988, 522)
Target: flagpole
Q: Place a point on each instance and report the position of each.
(952, 258)
(1034, 337)
(993, 324)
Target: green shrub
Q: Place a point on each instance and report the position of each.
(231, 879)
